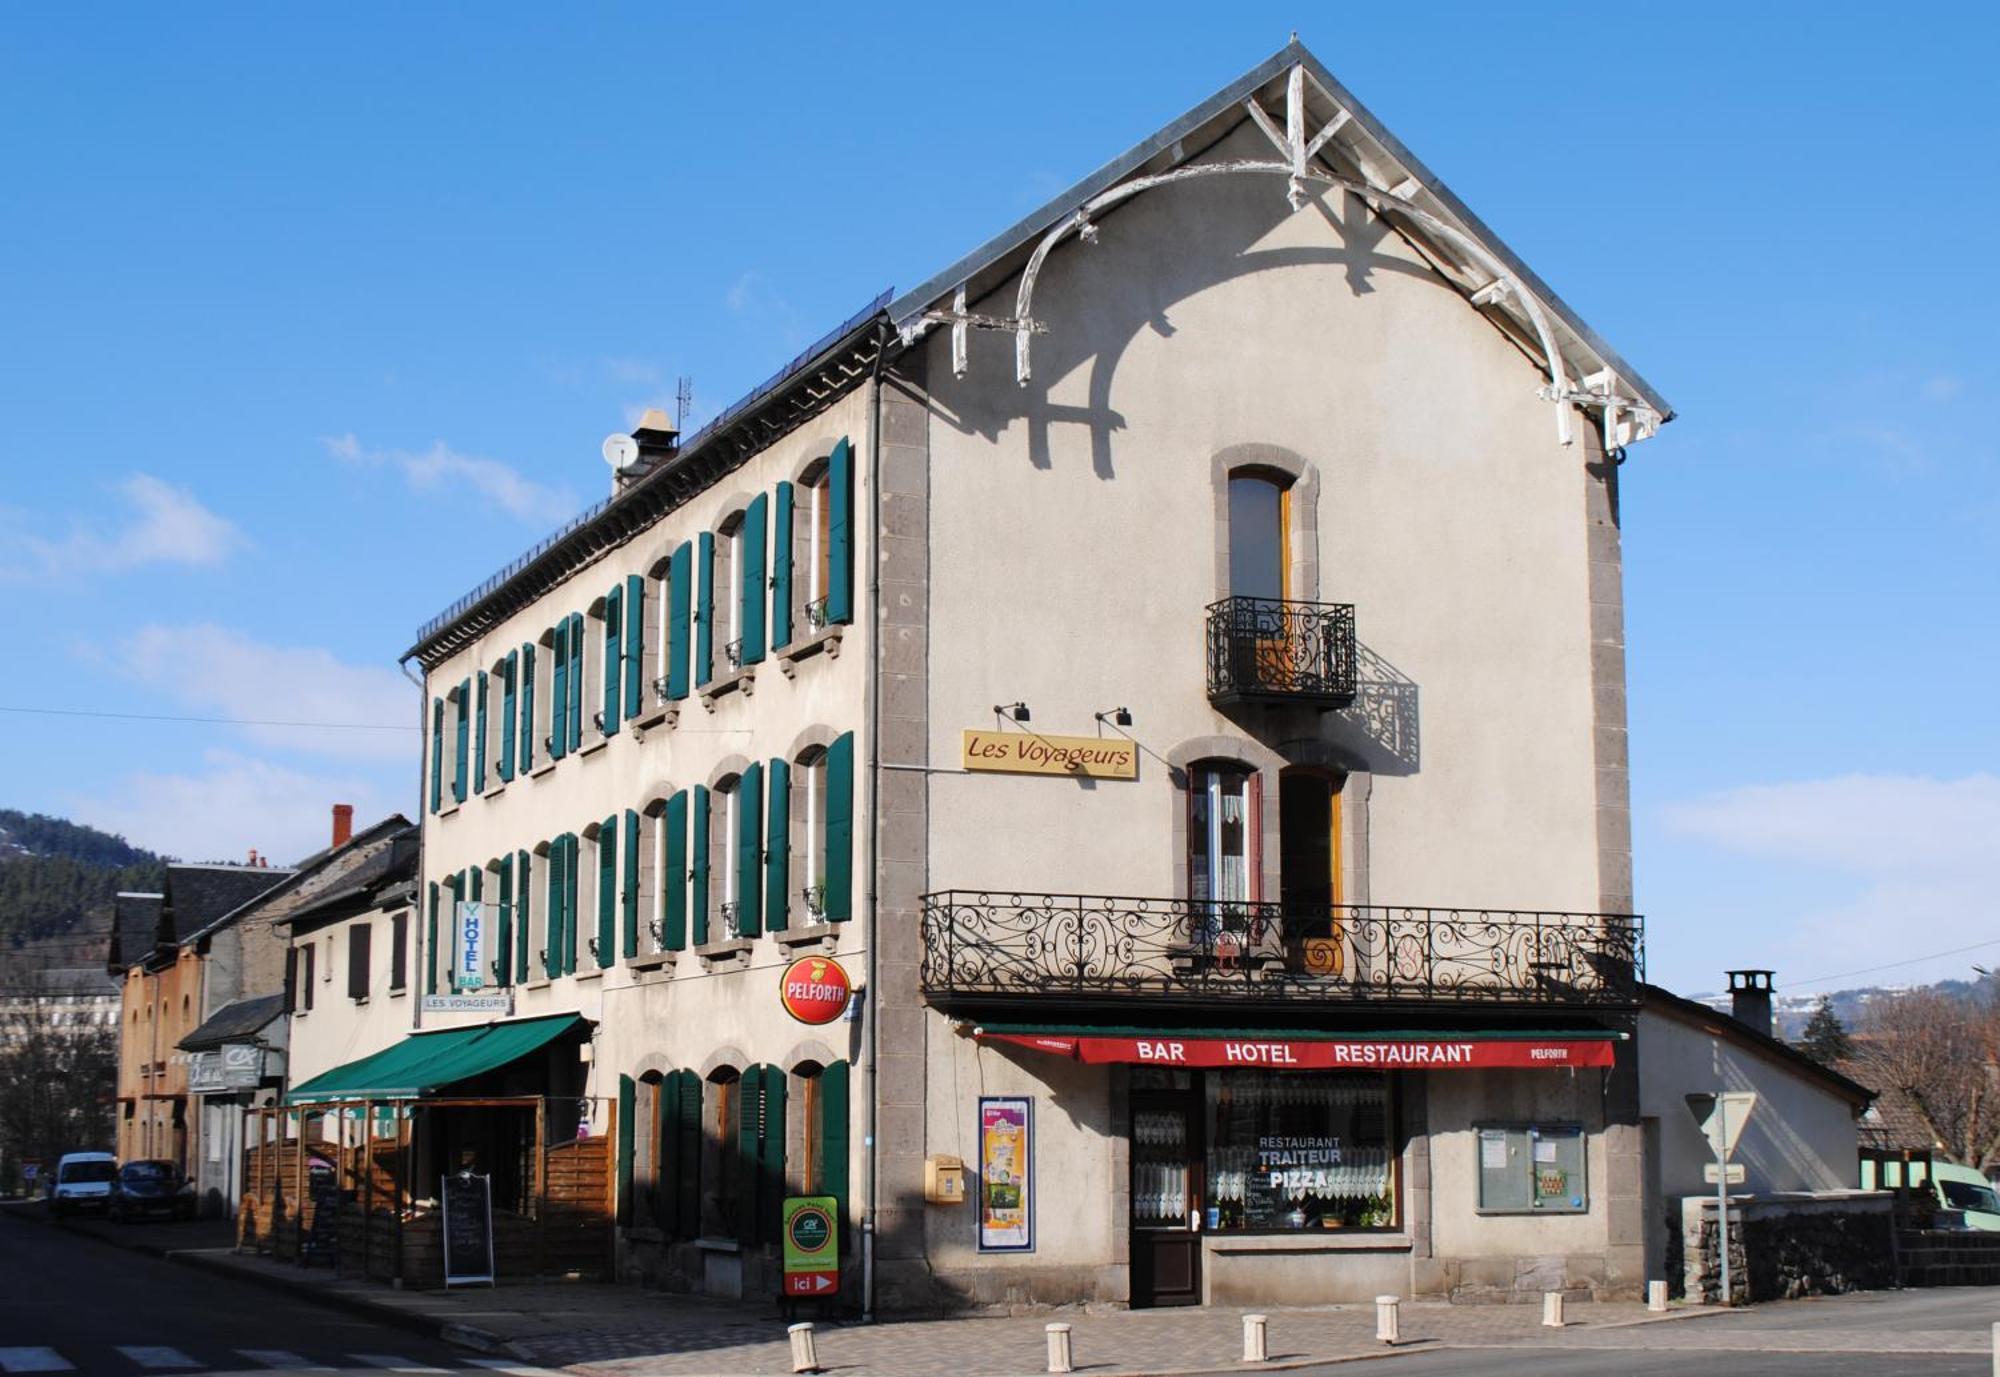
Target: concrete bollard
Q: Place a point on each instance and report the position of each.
(1255, 1348)
(1059, 1354)
(1552, 1309)
(805, 1354)
(1656, 1296)
(1388, 1329)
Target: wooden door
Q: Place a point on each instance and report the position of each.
(1166, 1157)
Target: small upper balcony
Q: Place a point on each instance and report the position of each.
(994, 950)
(1274, 650)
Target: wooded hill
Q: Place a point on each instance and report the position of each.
(57, 878)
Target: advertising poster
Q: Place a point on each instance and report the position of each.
(1006, 1174)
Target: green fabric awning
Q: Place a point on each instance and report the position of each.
(422, 1062)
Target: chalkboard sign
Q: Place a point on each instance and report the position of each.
(322, 1241)
(468, 1229)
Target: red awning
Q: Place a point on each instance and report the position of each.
(1461, 1052)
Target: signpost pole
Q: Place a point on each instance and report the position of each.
(1721, 1143)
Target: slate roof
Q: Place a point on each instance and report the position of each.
(197, 895)
(1722, 1025)
(390, 865)
(308, 879)
(135, 930)
(237, 1022)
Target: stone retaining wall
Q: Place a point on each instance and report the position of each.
(1782, 1247)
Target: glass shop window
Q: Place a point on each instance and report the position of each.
(1531, 1169)
(1294, 1150)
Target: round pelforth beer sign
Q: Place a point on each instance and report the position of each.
(815, 989)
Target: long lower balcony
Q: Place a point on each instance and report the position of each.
(988, 948)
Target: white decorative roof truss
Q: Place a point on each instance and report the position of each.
(1319, 143)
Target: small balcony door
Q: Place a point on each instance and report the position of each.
(1259, 568)
(1309, 865)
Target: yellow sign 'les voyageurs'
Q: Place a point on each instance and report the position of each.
(1030, 753)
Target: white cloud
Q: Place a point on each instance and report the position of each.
(441, 466)
(234, 804)
(755, 298)
(215, 671)
(1942, 388)
(165, 525)
(1917, 856)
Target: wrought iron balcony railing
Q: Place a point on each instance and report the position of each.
(1261, 648)
(984, 946)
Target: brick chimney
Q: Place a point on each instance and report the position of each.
(343, 823)
(1750, 999)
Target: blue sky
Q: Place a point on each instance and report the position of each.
(311, 317)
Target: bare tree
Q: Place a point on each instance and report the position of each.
(1940, 1051)
(58, 1079)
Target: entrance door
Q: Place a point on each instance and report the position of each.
(1309, 871)
(1166, 1194)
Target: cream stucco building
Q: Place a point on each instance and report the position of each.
(1172, 661)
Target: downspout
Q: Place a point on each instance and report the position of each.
(873, 1008)
(423, 825)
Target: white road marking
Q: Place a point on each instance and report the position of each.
(277, 1358)
(393, 1363)
(158, 1357)
(34, 1360)
(512, 1368)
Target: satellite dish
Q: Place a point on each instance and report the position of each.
(621, 451)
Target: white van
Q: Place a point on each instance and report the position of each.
(82, 1181)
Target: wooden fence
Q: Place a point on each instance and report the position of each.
(384, 1229)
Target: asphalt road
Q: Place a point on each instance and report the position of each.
(70, 1303)
(1543, 1362)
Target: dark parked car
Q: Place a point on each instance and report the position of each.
(143, 1188)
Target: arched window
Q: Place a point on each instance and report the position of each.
(1223, 823)
(721, 1167)
(1259, 534)
(808, 808)
(724, 829)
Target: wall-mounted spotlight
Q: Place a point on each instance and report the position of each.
(1118, 717)
(1017, 711)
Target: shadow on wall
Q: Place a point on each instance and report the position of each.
(1381, 725)
(1096, 298)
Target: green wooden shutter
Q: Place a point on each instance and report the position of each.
(559, 699)
(704, 609)
(628, 1105)
(527, 707)
(781, 569)
(461, 757)
(840, 829)
(552, 919)
(771, 1158)
(667, 1161)
(576, 633)
(749, 1137)
(834, 1112)
(676, 878)
(840, 544)
(689, 1178)
(778, 848)
(635, 644)
(572, 888)
(503, 925)
(614, 679)
(607, 891)
(698, 871)
(479, 740)
(752, 580)
(680, 592)
(749, 851)
(431, 945)
(510, 673)
(524, 863)
(437, 754)
(629, 894)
